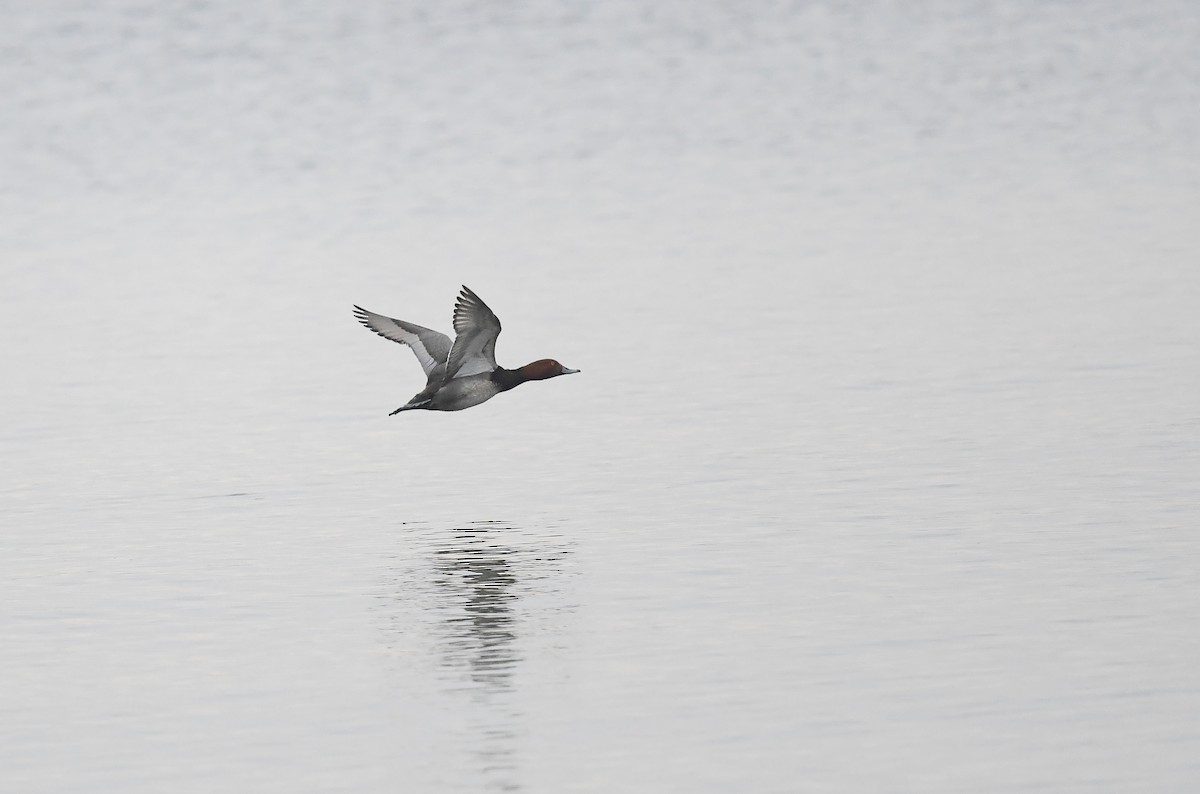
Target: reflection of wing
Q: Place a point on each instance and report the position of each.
(432, 348)
(476, 329)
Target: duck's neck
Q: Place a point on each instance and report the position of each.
(508, 378)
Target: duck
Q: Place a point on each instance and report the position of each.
(463, 373)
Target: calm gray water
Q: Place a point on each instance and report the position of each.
(881, 474)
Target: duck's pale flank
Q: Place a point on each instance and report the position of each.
(463, 373)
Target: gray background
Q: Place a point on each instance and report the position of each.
(880, 474)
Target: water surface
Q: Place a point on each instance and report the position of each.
(879, 474)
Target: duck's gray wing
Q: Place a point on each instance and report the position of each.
(476, 329)
(431, 347)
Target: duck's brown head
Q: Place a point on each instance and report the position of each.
(543, 369)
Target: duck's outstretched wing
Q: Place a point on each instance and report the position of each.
(432, 347)
(476, 329)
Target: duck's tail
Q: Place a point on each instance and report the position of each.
(410, 407)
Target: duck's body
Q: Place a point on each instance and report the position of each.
(463, 373)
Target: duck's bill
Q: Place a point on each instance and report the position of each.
(569, 371)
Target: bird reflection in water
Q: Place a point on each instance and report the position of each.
(482, 572)
(480, 575)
